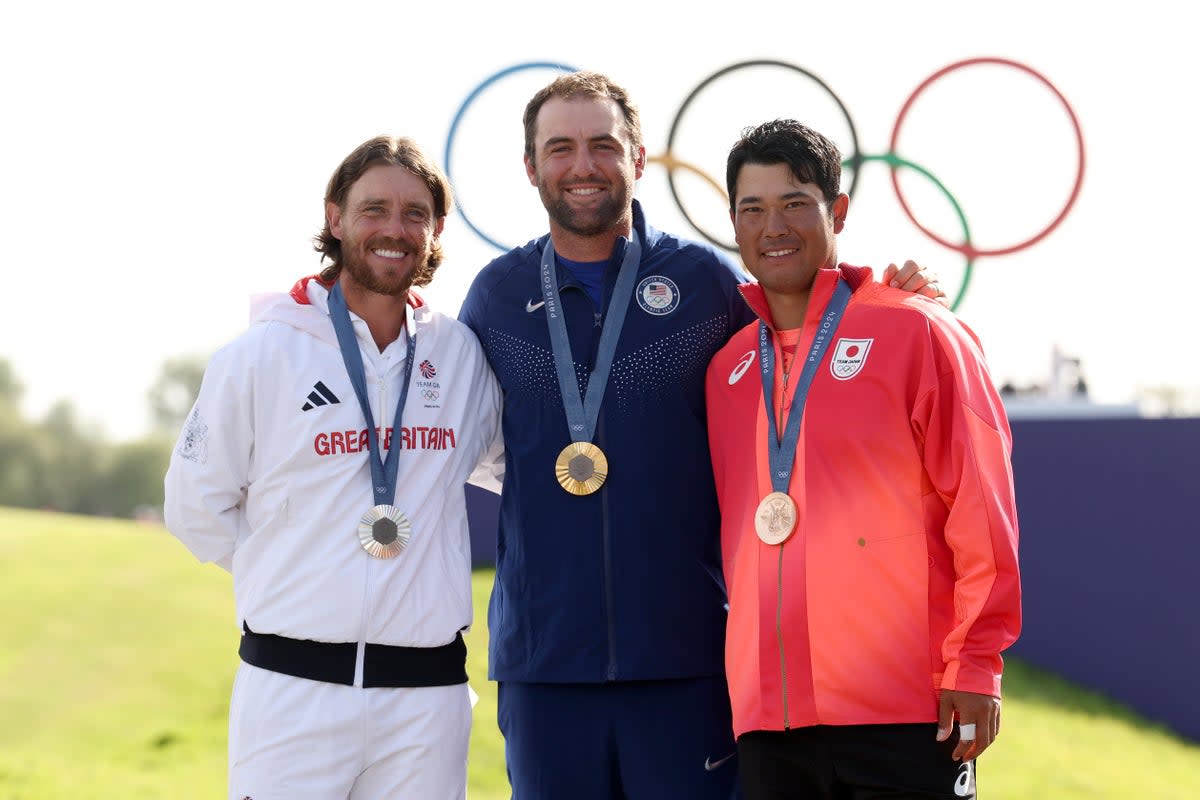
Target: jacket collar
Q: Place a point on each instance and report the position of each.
(299, 291)
(822, 291)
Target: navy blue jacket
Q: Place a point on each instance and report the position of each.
(624, 584)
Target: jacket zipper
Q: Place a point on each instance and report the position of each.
(779, 636)
(611, 671)
(782, 420)
(608, 589)
(378, 411)
(606, 532)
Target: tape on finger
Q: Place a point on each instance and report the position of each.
(966, 732)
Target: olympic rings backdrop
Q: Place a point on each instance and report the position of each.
(692, 184)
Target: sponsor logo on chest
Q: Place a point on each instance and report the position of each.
(742, 366)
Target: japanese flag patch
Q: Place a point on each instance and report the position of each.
(849, 356)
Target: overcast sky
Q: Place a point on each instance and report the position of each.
(162, 162)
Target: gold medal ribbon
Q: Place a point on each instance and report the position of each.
(582, 467)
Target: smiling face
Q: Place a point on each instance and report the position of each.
(387, 229)
(585, 166)
(785, 229)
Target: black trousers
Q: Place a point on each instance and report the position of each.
(853, 762)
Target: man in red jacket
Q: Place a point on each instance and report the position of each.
(869, 532)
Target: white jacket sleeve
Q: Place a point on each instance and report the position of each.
(489, 472)
(206, 481)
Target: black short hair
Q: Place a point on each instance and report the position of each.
(811, 156)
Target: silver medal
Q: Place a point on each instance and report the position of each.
(384, 531)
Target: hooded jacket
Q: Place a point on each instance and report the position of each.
(270, 476)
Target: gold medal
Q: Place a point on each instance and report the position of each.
(775, 518)
(581, 468)
(384, 531)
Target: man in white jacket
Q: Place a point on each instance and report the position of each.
(323, 465)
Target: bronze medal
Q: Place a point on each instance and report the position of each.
(581, 468)
(384, 531)
(775, 518)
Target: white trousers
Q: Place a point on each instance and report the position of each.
(296, 739)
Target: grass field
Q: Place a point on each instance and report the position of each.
(117, 652)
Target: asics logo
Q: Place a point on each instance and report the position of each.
(710, 765)
(740, 369)
(964, 785)
(531, 306)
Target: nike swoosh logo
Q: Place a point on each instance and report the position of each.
(531, 306)
(709, 765)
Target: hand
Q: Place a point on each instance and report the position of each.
(915, 278)
(981, 711)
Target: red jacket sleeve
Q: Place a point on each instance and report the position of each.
(966, 447)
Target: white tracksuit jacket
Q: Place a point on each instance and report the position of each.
(270, 475)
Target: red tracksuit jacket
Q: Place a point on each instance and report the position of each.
(901, 577)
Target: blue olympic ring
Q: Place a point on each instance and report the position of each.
(969, 252)
(462, 110)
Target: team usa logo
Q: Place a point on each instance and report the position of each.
(427, 369)
(849, 356)
(658, 295)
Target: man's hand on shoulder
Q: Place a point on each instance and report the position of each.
(912, 277)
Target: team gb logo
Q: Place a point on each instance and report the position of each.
(849, 356)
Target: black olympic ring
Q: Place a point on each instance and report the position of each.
(671, 163)
(430, 394)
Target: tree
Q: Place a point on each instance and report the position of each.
(174, 391)
(20, 461)
(10, 388)
(132, 480)
(70, 461)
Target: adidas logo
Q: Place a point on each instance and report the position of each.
(319, 396)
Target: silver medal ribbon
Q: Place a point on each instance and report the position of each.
(384, 530)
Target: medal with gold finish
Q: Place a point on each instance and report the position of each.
(581, 468)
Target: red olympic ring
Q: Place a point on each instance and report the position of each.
(967, 249)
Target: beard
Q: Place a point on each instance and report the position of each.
(601, 219)
(395, 282)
